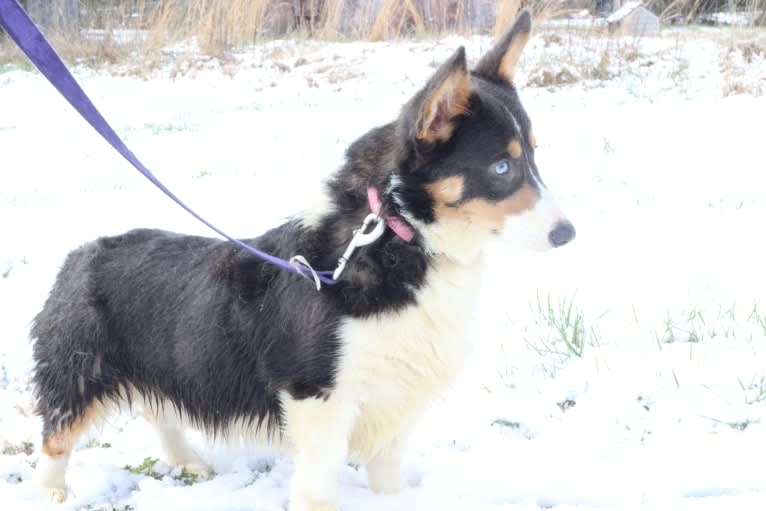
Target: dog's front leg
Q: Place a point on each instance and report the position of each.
(318, 431)
(384, 470)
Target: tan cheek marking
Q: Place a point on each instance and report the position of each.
(508, 64)
(514, 148)
(532, 140)
(490, 215)
(523, 200)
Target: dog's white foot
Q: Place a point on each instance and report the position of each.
(385, 481)
(302, 503)
(50, 474)
(54, 495)
(177, 450)
(384, 473)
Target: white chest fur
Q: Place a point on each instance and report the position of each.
(394, 364)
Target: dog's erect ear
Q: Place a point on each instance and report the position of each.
(500, 62)
(444, 98)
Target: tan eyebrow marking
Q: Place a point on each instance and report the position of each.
(514, 148)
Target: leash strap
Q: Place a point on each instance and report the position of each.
(32, 42)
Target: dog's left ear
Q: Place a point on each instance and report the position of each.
(500, 62)
(443, 100)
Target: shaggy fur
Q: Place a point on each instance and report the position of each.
(199, 333)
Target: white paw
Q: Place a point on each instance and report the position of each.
(389, 484)
(302, 503)
(385, 477)
(55, 495)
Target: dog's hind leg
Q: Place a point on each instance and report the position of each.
(175, 447)
(71, 396)
(75, 384)
(60, 434)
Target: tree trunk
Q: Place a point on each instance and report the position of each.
(59, 16)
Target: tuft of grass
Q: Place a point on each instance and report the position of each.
(575, 54)
(20, 65)
(681, 331)
(146, 468)
(10, 449)
(520, 427)
(737, 425)
(109, 507)
(757, 319)
(566, 320)
(560, 331)
(601, 70)
(697, 324)
(163, 128)
(10, 265)
(755, 391)
(506, 423)
(548, 78)
(736, 64)
(93, 443)
(187, 478)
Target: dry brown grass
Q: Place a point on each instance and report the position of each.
(217, 25)
(221, 25)
(505, 12)
(735, 64)
(689, 11)
(396, 17)
(80, 50)
(140, 35)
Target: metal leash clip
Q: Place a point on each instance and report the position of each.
(360, 239)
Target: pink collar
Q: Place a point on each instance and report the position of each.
(395, 223)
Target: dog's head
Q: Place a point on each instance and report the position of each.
(467, 169)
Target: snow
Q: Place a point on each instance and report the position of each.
(658, 162)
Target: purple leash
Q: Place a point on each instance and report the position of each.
(32, 42)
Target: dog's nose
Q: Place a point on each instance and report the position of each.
(563, 232)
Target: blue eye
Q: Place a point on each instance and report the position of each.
(502, 167)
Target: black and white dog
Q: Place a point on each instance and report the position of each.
(199, 332)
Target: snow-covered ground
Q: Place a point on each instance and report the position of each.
(625, 371)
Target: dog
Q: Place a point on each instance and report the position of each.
(200, 333)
